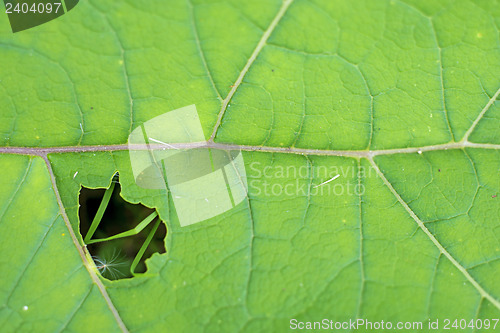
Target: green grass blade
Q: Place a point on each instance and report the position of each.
(144, 246)
(143, 224)
(100, 212)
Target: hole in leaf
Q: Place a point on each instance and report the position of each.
(113, 242)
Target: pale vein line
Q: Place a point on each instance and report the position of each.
(200, 50)
(299, 151)
(481, 114)
(66, 73)
(260, 46)
(433, 281)
(422, 226)
(361, 249)
(368, 90)
(441, 79)
(124, 70)
(29, 262)
(490, 102)
(21, 183)
(251, 248)
(440, 62)
(75, 311)
(303, 118)
(81, 250)
(252, 237)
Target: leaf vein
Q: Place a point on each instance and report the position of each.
(200, 49)
(260, 45)
(434, 240)
(82, 251)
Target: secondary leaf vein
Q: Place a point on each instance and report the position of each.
(253, 56)
(434, 240)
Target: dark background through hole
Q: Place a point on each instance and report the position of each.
(119, 216)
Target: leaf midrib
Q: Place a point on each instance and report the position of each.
(43, 151)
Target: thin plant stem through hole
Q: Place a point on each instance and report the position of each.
(119, 235)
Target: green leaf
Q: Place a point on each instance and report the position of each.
(399, 98)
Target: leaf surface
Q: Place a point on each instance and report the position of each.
(397, 97)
